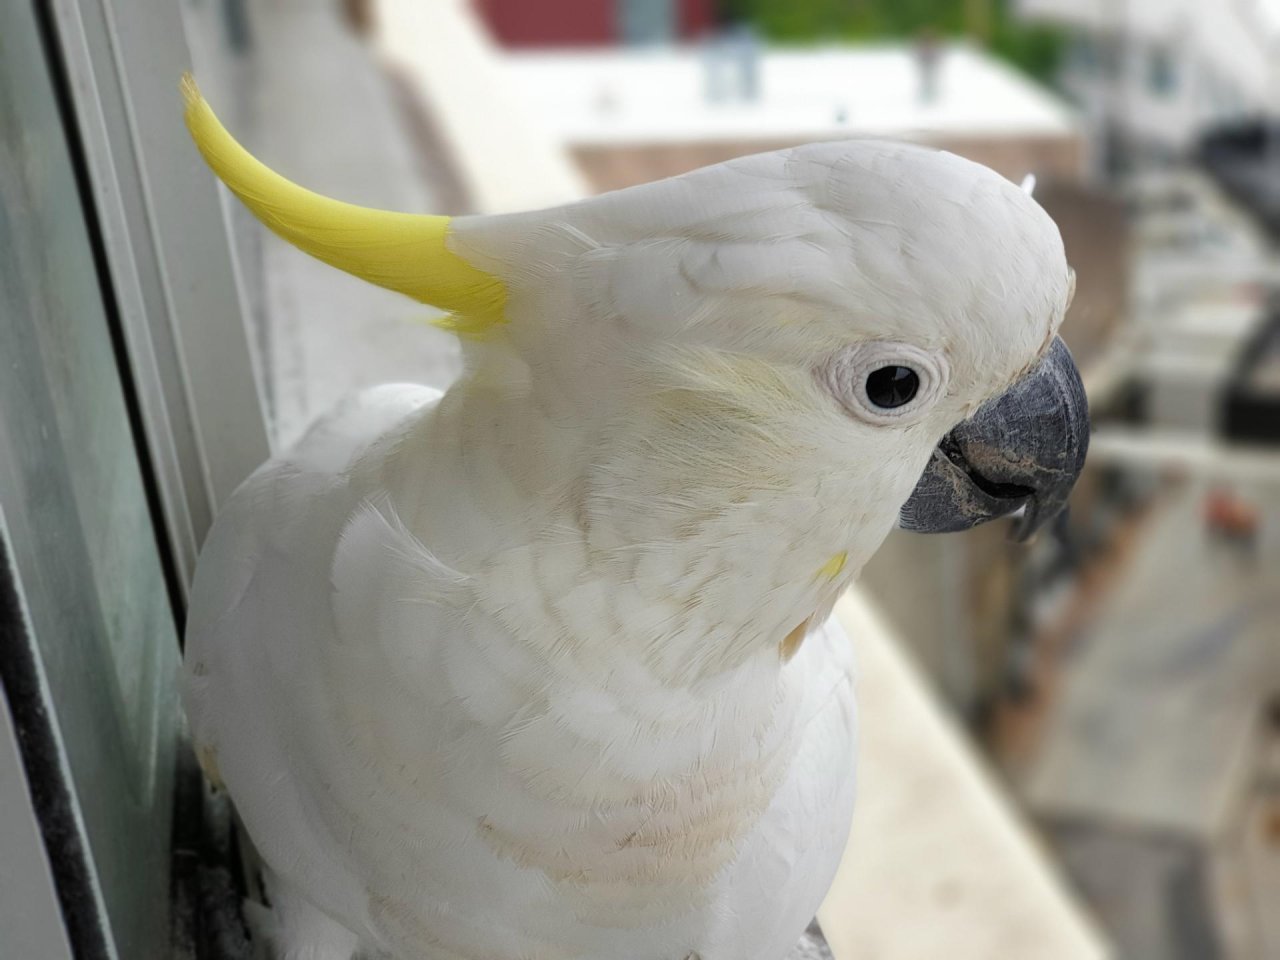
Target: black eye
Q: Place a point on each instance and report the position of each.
(891, 387)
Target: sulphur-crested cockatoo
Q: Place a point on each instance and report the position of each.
(541, 669)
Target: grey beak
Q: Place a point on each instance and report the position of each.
(1022, 450)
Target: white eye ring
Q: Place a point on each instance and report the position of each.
(845, 374)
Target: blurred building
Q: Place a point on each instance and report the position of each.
(1199, 300)
(1155, 777)
(1152, 74)
(1244, 158)
(567, 23)
(1195, 364)
(1252, 407)
(1152, 765)
(631, 115)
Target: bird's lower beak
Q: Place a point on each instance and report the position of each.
(1022, 450)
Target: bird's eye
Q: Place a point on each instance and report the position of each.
(892, 386)
(882, 382)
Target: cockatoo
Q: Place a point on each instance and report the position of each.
(542, 668)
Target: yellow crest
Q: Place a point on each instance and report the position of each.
(405, 252)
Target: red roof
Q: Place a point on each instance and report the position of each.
(577, 23)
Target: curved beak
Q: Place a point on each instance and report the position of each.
(1022, 450)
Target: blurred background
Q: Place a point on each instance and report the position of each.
(1071, 749)
(1121, 676)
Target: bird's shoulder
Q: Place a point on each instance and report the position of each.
(292, 510)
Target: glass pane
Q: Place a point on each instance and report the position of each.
(76, 509)
(301, 91)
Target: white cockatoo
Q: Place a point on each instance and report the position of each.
(541, 668)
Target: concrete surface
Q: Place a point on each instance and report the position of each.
(324, 114)
(1149, 777)
(938, 863)
(1185, 645)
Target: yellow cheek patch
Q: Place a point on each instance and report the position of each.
(405, 252)
(833, 567)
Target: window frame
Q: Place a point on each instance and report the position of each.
(169, 254)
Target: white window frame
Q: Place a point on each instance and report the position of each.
(170, 260)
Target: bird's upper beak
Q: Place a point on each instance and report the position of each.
(1022, 450)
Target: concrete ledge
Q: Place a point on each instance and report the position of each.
(938, 863)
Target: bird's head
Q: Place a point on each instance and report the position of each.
(874, 309)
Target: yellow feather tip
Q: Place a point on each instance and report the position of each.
(833, 567)
(791, 642)
(406, 252)
(190, 91)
